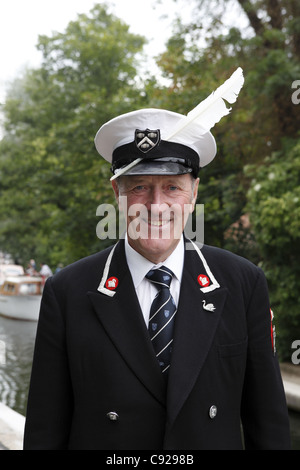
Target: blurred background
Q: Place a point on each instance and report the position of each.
(69, 66)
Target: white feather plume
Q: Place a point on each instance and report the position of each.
(203, 117)
(210, 111)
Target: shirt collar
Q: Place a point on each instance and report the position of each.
(140, 266)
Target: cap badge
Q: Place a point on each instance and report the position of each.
(147, 139)
(112, 283)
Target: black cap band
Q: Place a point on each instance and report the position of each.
(127, 153)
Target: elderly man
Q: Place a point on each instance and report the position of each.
(157, 342)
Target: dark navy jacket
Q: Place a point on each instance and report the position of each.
(96, 383)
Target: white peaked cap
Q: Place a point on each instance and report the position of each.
(157, 141)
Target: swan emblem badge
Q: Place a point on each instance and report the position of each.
(208, 307)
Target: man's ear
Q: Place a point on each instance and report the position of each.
(195, 192)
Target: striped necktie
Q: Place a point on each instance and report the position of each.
(162, 315)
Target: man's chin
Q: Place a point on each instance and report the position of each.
(156, 250)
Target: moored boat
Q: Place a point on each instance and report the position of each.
(8, 270)
(20, 297)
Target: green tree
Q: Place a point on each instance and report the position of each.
(274, 207)
(51, 177)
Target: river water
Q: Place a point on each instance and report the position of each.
(18, 338)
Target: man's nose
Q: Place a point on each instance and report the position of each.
(156, 202)
(156, 196)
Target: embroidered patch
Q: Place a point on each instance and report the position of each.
(147, 139)
(273, 333)
(112, 283)
(203, 280)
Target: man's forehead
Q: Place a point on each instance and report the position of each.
(135, 179)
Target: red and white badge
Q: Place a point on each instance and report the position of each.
(112, 283)
(203, 280)
(273, 332)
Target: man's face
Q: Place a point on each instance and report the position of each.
(156, 209)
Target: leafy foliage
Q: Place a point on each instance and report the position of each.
(52, 178)
(274, 205)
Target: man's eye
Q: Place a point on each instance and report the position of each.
(173, 188)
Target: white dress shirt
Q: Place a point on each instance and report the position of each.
(140, 266)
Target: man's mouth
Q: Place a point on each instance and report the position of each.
(156, 223)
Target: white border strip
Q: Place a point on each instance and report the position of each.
(215, 284)
(102, 287)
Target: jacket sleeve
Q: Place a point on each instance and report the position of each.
(49, 408)
(264, 411)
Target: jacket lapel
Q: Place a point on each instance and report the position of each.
(122, 319)
(195, 328)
